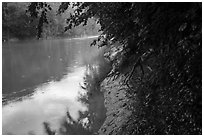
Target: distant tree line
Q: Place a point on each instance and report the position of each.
(18, 23)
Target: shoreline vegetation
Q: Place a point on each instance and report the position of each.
(130, 110)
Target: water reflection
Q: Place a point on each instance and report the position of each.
(94, 97)
(51, 99)
(28, 64)
(90, 121)
(50, 102)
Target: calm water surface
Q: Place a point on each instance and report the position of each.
(45, 90)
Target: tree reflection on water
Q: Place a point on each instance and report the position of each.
(91, 120)
(41, 108)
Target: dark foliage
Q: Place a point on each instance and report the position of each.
(162, 43)
(41, 8)
(16, 23)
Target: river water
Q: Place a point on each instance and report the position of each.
(51, 87)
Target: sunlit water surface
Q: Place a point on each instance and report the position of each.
(42, 85)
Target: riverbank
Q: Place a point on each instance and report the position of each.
(148, 107)
(116, 103)
(116, 100)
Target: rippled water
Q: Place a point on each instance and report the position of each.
(50, 87)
